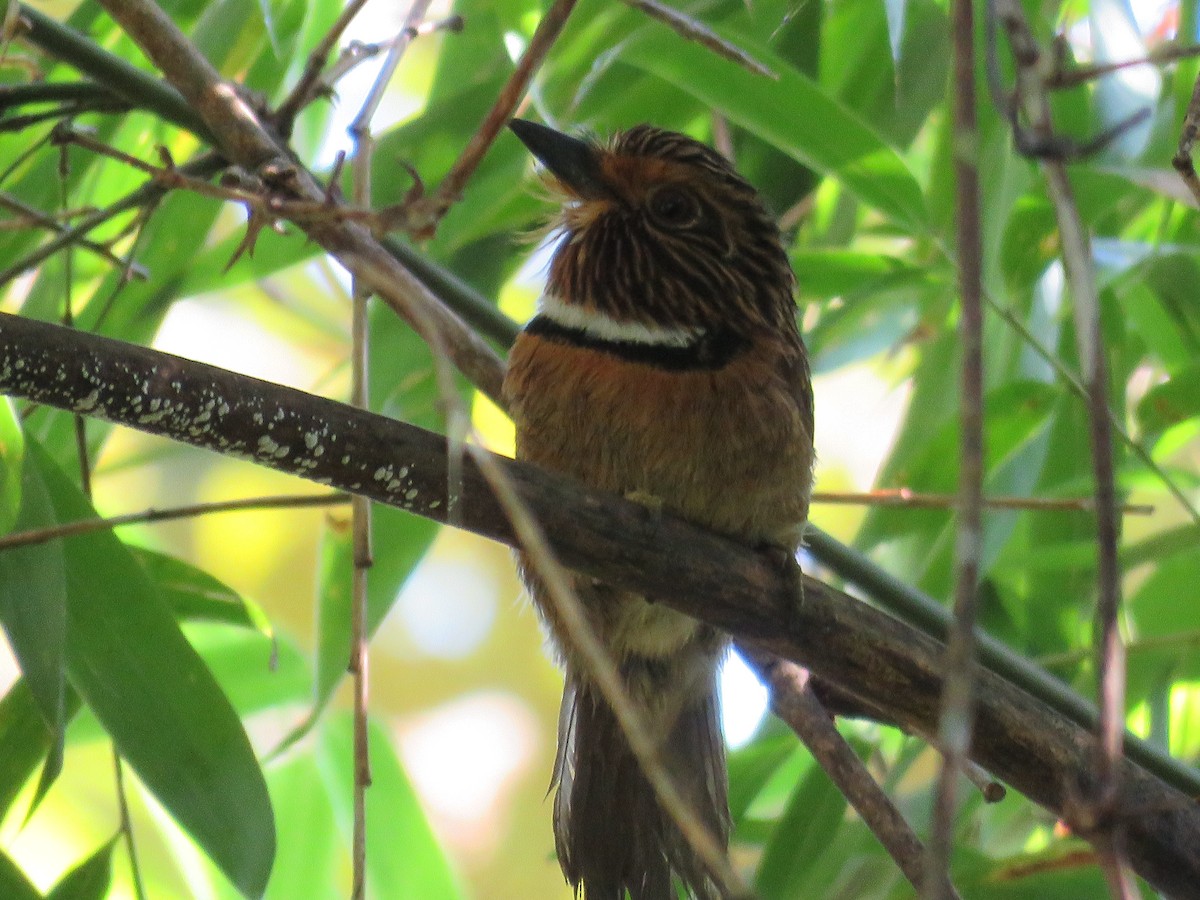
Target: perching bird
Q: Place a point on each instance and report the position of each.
(665, 364)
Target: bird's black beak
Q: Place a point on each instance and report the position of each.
(573, 162)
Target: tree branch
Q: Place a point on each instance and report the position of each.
(840, 639)
(243, 140)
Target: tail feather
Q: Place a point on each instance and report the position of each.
(610, 833)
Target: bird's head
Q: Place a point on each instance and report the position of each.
(660, 231)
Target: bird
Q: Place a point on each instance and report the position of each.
(664, 363)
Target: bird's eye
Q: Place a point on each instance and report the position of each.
(674, 207)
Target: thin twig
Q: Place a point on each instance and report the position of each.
(147, 193)
(957, 715)
(79, 426)
(427, 213)
(245, 141)
(793, 700)
(87, 526)
(362, 122)
(126, 825)
(1032, 94)
(694, 30)
(35, 216)
(920, 500)
(361, 516)
(603, 672)
(1182, 161)
(308, 86)
(1160, 56)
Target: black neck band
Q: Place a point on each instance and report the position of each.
(709, 350)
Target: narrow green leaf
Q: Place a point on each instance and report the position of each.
(33, 606)
(14, 884)
(309, 844)
(752, 767)
(158, 701)
(193, 594)
(90, 879)
(12, 451)
(1066, 870)
(822, 133)
(1171, 402)
(804, 833)
(25, 741)
(268, 17)
(404, 859)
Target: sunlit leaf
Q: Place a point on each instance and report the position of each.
(309, 841)
(182, 737)
(15, 884)
(90, 879)
(33, 606)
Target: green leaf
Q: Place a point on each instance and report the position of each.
(12, 452)
(822, 134)
(193, 594)
(155, 697)
(25, 741)
(404, 859)
(804, 833)
(33, 606)
(309, 844)
(90, 879)
(14, 884)
(1064, 871)
(752, 767)
(257, 671)
(1171, 402)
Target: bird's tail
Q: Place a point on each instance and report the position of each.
(609, 830)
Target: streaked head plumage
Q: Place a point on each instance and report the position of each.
(660, 229)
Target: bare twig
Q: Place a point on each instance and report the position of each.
(424, 215)
(1182, 161)
(920, 500)
(79, 426)
(361, 513)
(957, 713)
(362, 122)
(87, 526)
(695, 30)
(602, 671)
(35, 216)
(244, 141)
(793, 700)
(146, 194)
(1164, 55)
(1032, 98)
(361, 517)
(308, 86)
